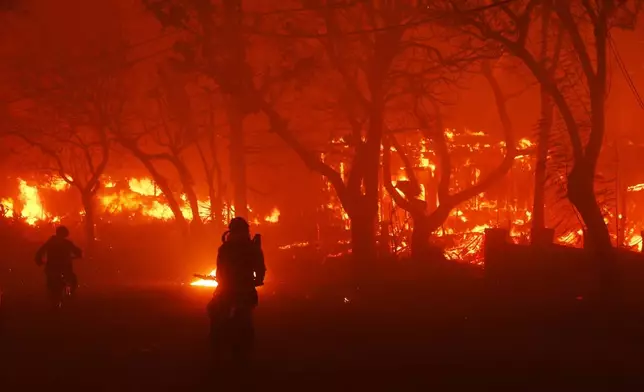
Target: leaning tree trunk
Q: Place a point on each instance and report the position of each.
(193, 201)
(161, 182)
(581, 179)
(187, 184)
(597, 238)
(237, 155)
(165, 188)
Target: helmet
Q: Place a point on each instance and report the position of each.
(62, 231)
(238, 224)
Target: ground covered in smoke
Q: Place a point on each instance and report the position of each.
(440, 330)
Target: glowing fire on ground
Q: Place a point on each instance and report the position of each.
(206, 282)
(509, 206)
(136, 197)
(461, 235)
(210, 282)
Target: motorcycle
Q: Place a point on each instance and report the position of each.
(232, 333)
(60, 289)
(59, 285)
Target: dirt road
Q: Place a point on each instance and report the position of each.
(154, 339)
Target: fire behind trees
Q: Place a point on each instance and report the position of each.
(218, 108)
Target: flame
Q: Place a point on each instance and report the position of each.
(570, 238)
(59, 183)
(274, 217)
(635, 241)
(144, 187)
(206, 282)
(636, 188)
(401, 177)
(142, 198)
(461, 236)
(294, 245)
(7, 207)
(32, 209)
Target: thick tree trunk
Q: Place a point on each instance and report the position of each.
(539, 203)
(237, 155)
(424, 226)
(538, 222)
(420, 236)
(364, 213)
(363, 235)
(597, 237)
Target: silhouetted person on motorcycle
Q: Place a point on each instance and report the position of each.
(240, 269)
(59, 252)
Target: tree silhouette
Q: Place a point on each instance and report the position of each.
(407, 195)
(587, 28)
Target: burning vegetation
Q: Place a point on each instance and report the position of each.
(132, 199)
(367, 96)
(460, 236)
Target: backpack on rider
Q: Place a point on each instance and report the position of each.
(240, 269)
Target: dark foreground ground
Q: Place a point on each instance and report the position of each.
(149, 338)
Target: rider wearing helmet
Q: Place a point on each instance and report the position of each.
(240, 269)
(59, 252)
(240, 260)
